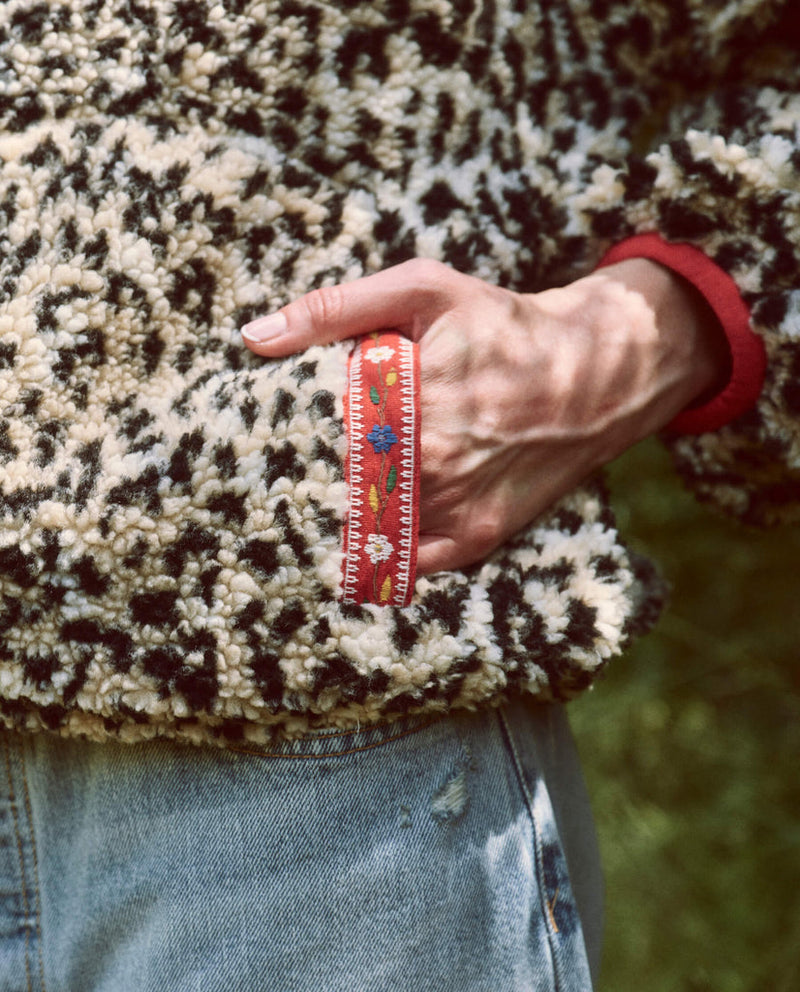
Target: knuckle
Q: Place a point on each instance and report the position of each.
(486, 531)
(428, 273)
(419, 268)
(511, 306)
(325, 307)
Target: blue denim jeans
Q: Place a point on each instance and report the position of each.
(452, 855)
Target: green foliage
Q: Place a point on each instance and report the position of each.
(691, 747)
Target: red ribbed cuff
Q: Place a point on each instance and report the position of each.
(748, 358)
(382, 420)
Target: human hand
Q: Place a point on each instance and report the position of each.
(522, 395)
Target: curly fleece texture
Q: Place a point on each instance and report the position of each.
(171, 508)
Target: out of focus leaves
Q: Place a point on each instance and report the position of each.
(691, 747)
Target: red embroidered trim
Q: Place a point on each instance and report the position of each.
(382, 421)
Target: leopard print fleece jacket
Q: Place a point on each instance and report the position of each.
(172, 509)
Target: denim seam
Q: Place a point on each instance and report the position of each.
(331, 734)
(35, 865)
(330, 754)
(546, 913)
(23, 885)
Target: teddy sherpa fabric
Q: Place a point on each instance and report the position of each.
(173, 511)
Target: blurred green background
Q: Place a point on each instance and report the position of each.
(691, 746)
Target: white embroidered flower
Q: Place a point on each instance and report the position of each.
(381, 354)
(378, 548)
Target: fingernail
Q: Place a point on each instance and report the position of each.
(265, 328)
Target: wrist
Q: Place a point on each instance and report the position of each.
(744, 356)
(690, 334)
(658, 345)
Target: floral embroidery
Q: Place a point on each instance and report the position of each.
(380, 354)
(378, 548)
(382, 438)
(383, 470)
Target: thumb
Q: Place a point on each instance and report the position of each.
(399, 297)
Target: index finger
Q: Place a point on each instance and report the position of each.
(403, 297)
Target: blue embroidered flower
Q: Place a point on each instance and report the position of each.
(382, 438)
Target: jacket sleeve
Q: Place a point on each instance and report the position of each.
(723, 179)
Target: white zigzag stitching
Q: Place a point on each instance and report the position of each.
(355, 388)
(408, 431)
